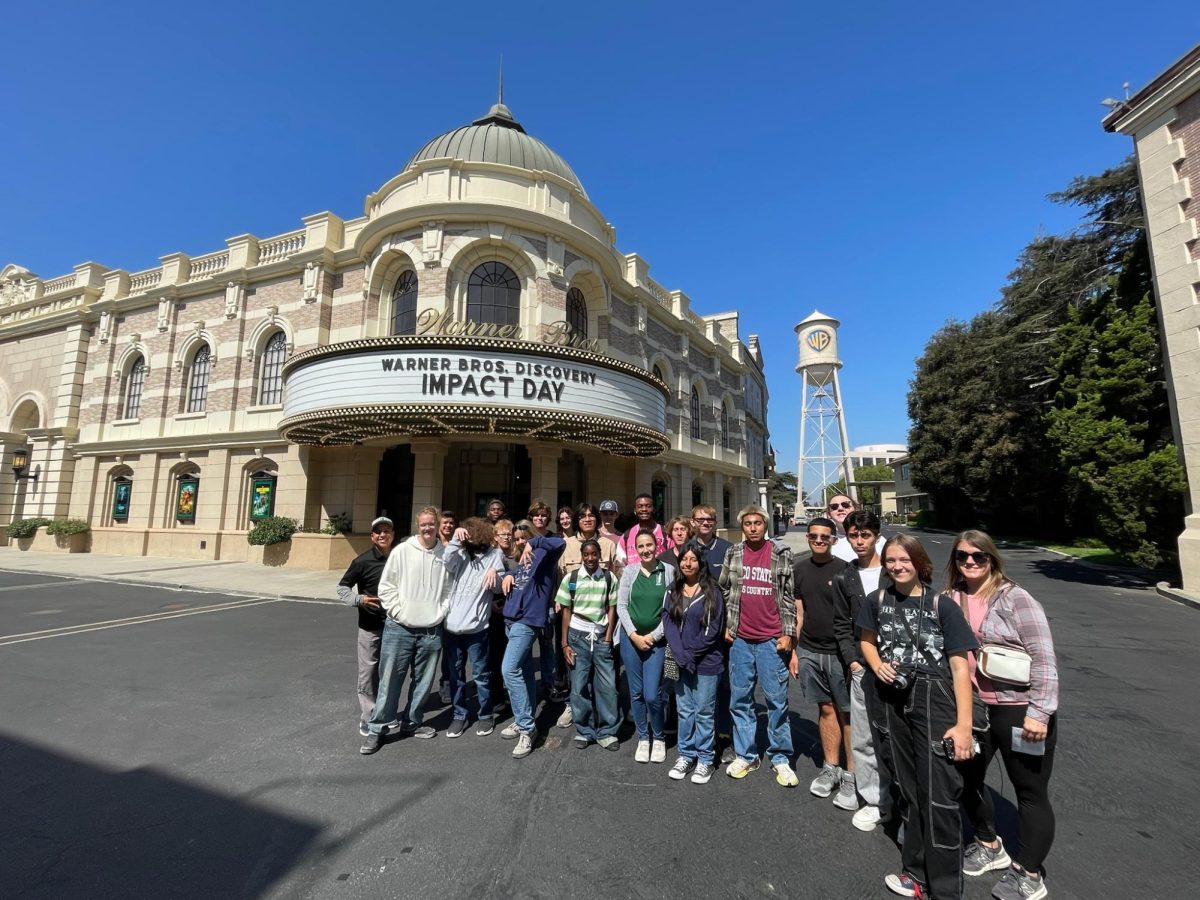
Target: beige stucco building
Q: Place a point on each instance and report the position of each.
(475, 333)
(1163, 118)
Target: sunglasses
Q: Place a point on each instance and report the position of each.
(842, 505)
(820, 539)
(703, 519)
(977, 556)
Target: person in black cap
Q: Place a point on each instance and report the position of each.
(359, 587)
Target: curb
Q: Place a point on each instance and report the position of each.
(1164, 589)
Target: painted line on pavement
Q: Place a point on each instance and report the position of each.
(37, 586)
(69, 630)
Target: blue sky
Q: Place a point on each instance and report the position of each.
(883, 162)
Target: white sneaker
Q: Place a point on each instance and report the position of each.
(785, 776)
(642, 753)
(566, 720)
(658, 752)
(510, 733)
(866, 818)
(524, 744)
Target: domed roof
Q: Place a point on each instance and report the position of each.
(496, 138)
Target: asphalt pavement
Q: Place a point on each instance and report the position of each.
(169, 743)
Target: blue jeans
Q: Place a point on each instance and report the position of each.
(548, 653)
(758, 662)
(518, 673)
(643, 671)
(696, 700)
(593, 686)
(462, 648)
(401, 650)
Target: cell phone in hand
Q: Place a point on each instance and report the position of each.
(1029, 748)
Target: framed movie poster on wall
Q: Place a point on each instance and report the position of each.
(122, 490)
(262, 497)
(185, 499)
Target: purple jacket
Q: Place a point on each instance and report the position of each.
(534, 586)
(698, 646)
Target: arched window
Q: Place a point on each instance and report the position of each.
(135, 383)
(270, 380)
(577, 312)
(494, 295)
(695, 414)
(197, 392)
(660, 374)
(404, 304)
(724, 426)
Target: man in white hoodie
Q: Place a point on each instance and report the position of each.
(414, 591)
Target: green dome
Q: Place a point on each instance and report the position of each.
(496, 138)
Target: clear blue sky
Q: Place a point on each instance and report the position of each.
(883, 162)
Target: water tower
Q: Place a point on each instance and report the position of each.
(824, 448)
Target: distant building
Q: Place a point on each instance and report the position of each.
(908, 499)
(1163, 118)
(876, 454)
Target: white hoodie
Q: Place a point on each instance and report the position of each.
(415, 587)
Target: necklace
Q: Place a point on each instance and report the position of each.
(691, 590)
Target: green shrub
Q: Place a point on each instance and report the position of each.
(25, 528)
(67, 527)
(338, 524)
(272, 530)
(925, 518)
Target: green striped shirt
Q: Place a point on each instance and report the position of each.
(593, 596)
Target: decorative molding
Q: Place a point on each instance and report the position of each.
(164, 310)
(235, 296)
(431, 244)
(104, 331)
(314, 282)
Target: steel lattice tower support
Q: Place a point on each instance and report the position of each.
(824, 446)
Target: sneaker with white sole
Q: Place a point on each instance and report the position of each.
(580, 742)
(524, 745)
(1017, 884)
(566, 720)
(510, 732)
(372, 744)
(485, 727)
(829, 778)
(866, 818)
(609, 742)
(421, 731)
(457, 728)
(905, 885)
(679, 771)
(979, 859)
(702, 773)
(363, 730)
(740, 768)
(658, 752)
(847, 795)
(642, 753)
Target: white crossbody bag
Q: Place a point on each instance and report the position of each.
(1005, 664)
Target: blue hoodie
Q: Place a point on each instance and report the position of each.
(697, 646)
(535, 584)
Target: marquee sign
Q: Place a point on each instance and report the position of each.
(426, 386)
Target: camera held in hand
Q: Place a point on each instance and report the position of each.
(904, 677)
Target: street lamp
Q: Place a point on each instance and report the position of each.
(20, 462)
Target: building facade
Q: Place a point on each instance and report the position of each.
(475, 333)
(1163, 118)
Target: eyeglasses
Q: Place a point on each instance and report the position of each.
(503, 534)
(706, 519)
(843, 505)
(977, 556)
(820, 539)
(540, 516)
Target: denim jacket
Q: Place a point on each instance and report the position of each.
(781, 574)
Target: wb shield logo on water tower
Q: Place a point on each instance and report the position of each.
(818, 339)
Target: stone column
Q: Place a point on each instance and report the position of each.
(8, 484)
(366, 486)
(429, 457)
(89, 493)
(682, 478)
(543, 459)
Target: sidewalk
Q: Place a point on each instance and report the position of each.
(241, 579)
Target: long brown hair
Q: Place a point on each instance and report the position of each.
(996, 578)
(677, 604)
(916, 552)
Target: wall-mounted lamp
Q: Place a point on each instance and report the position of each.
(20, 462)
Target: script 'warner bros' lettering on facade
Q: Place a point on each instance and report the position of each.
(474, 334)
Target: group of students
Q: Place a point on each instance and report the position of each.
(918, 688)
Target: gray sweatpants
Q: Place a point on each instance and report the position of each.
(368, 670)
(871, 778)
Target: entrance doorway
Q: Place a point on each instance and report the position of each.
(395, 496)
(475, 473)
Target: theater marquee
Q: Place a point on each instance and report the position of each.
(422, 386)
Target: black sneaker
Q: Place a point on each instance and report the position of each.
(457, 728)
(371, 744)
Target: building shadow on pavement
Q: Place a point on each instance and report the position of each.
(71, 828)
(1080, 573)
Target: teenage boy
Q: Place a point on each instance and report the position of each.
(854, 584)
(495, 510)
(643, 510)
(816, 662)
(359, 587)
(838, 508)
(414, 591)
(588, 597)
(760, 624)
(609, 510)
(529, 589)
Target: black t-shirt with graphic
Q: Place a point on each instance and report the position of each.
(897, 620)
